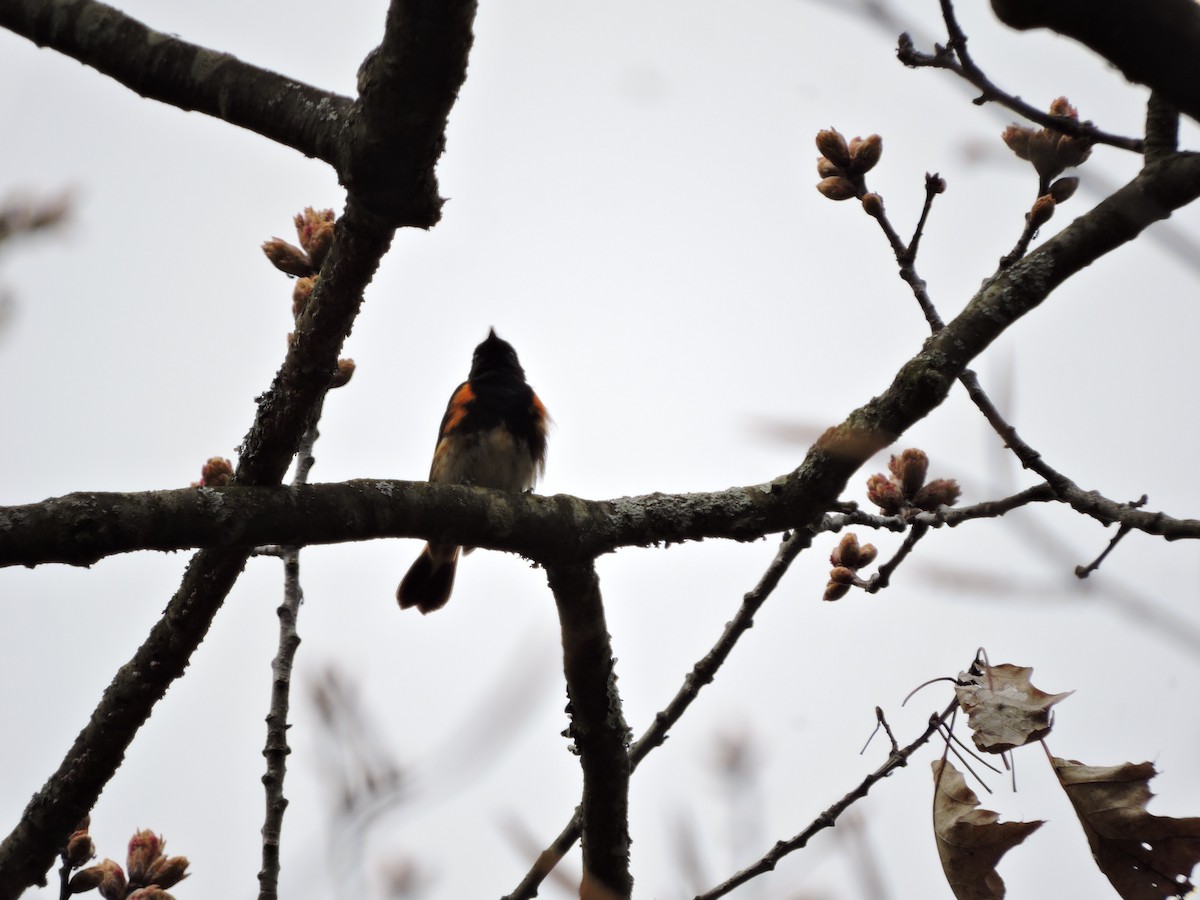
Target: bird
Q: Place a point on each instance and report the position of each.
(492, 435)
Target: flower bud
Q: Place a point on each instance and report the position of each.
(837, 188)
(343, 374)
(145, 846)
(865, 153)
(846, 552)
(308, 221)
(288, 259)
(1039, 215)
(1072, 151)
(86, 879)
(168, 871)
(935, 183)
(909, 470)
(151, 892)
(217, 472)
(866, 555)
(112, 880)
(842, 575)
(827, 169)
(1060, 107)
(1017, 139)
(835, 591)
(833, 147)
(1043, 153)
(884, 493)
(79, 849)
(300, 293)
(939, 492)
(1063, 189)
(319, 241)
(872, 205)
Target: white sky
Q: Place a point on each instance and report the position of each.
(632, 206)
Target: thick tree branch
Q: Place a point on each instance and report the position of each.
(70, 792)
(398, 127)
(165, 68)
(284, 413)
(1156, 44)
(81, 529)
(703, 673)
(598, 729)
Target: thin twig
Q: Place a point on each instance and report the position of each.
(955, 58)
(944, 515)
(828, 818)
(883, 576)
(880, 722)
(1085, 571)
(934, 185)
(276, 750)
(1028, 233)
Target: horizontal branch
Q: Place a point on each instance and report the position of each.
(83, 528)
(163, 67)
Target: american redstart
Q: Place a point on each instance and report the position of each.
(493, 435)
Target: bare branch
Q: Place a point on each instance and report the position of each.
(163, 67)
(283, 415)
(955, 58)
(702, 674)
(599, 731)
(276, 750)
(896, 759)
(883, 577)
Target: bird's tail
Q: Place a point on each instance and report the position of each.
(430, 580)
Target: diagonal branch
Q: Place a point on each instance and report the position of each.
(598, 730)
(284, 413)
(163, 67)
(896, 759)
(955, 58)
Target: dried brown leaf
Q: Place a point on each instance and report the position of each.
(971, 840)
(1146, 857)
(1004, 710)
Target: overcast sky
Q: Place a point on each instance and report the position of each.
(632, 206)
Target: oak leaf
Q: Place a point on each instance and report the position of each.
(970, 840)
(1004, 710)
(1146, 857)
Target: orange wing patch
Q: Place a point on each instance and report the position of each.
(540, 413)
(458, 407)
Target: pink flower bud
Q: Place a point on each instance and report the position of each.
(940, 492)
(885, 494)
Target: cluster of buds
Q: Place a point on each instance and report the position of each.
(1050, 152)
(842, 166)
(905, 492)
(147, 874)
(847, 558)
(315, 230)
(217, 472)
